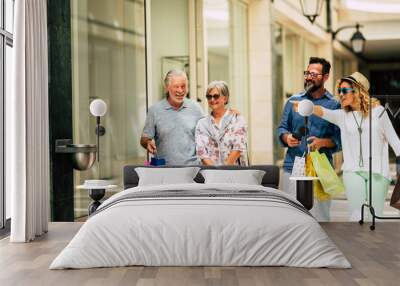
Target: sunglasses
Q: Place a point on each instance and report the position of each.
(344, 90)
(210, 96)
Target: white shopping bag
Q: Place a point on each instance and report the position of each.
(299, 167)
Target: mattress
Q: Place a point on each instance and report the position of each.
(201, 225)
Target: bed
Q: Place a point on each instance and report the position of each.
(201, 224)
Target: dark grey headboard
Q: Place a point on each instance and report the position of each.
(270, 179)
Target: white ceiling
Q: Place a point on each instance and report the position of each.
(381, 28)
(382, 6)
(216, 14)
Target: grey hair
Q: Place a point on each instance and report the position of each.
(221, 86)
(172, 73)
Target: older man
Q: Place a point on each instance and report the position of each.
(170, 124)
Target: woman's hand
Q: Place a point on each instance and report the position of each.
(232, 158)
(295, 105)
(317, 110)
(207, 162)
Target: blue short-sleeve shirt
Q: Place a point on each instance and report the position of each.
(292, 121)
(174, 131)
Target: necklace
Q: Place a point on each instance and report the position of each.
(359, 129)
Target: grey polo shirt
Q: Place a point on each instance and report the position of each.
(173, 131)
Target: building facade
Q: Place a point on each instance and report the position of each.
(120, 51)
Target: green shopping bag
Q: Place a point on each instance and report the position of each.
(326, 174)
(319, 192)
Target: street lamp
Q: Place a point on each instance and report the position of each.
(357, 40)
(311, 8)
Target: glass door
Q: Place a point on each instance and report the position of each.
(108, 62)
(226, 30)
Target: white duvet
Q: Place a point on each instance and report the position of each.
(183, 231)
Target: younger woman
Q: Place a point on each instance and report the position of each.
(354, 128)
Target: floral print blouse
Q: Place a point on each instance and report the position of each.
(216, 142)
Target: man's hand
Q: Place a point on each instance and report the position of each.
(290, 140)
(151, 146)
(148, 144)
(234, 112)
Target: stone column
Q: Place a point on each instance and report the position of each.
(260, 80)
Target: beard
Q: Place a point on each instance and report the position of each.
(311, 86)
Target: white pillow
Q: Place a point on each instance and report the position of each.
(248, 177)
(166, 176)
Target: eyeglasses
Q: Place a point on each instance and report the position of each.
(210, 96)
(344, 90)
(312, 74)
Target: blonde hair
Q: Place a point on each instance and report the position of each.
(361, 97)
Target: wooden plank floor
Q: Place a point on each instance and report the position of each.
(374, 255)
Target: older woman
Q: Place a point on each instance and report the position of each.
(354, 127)
(221, 137)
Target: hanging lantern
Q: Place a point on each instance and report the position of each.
(357, 41)
(311, 8)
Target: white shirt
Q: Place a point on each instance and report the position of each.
(382, 134)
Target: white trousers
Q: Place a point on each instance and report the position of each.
(320, 210)
(357, 192)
